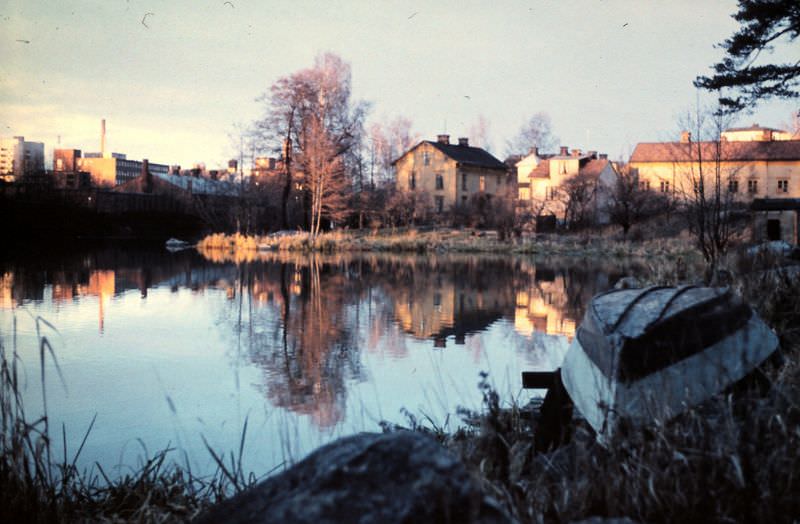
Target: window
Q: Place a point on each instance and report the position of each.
(482, 183)
(464, 181)
(412, 181)
(783, 186)
(499, 181)
(439, 203)
(752, 186)
(644, 185)
(549, 193)
(665, 186)
(733, 186)
(426, 158)
(464, 200)
(439, 182)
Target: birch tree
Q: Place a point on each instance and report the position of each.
(320, 96)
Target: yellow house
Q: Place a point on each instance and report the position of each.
(753, 162)
(541, 178)
(451, 173)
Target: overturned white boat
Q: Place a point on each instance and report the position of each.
(649, 354)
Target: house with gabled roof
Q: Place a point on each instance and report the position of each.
(754, 163)
(757, 165)
(451, 173)
(541, 180)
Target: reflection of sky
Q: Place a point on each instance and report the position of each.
(171, 366)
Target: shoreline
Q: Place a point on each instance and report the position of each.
(445, 241)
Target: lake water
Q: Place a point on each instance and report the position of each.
(173, 348)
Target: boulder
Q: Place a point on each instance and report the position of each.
(383, 478)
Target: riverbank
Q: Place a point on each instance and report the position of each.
(448, 241)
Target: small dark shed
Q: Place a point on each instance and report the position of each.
(776, 219)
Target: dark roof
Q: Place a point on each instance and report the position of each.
(775, 204)
(738, 151)
(468, 155)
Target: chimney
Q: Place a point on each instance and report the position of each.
(686, 137)
(603, 156)
(443, 139)
(103, 138)
(534, 151)
(147, 177)
(592, 154)
(463, 141)
(564, 151)
(576, 152)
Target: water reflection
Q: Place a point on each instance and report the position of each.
(310, 329)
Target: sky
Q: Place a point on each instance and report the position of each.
(173, 78)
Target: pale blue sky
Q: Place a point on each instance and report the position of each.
(609, 73)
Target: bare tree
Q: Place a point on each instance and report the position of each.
(578, 196)
(319, 94)
(323, 177)
(537, 131)
(387, 141)
(479, 133)
(706, 188)
(628, 202)
(411, 208)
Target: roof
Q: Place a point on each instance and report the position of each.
(465, 155)
(541, 171)
(199, 186)
(736, 151)
(594, 167)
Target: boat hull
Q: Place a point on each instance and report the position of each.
(603, 399)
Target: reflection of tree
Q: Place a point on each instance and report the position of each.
(315, 349)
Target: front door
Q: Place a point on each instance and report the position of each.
(773, 229)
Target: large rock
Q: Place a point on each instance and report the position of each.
(383, 478)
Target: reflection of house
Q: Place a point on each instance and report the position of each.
(542, 307)
(754, 162)
(7, 291)
(451, 173)
(541, 180)
(438, 308)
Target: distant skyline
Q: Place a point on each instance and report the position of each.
(172, 78)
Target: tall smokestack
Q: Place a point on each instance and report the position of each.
(103, 137)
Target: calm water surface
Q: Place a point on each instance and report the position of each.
(170, 348)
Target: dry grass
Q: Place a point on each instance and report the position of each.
(242, 248)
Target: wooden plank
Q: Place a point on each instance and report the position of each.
(538, 379)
